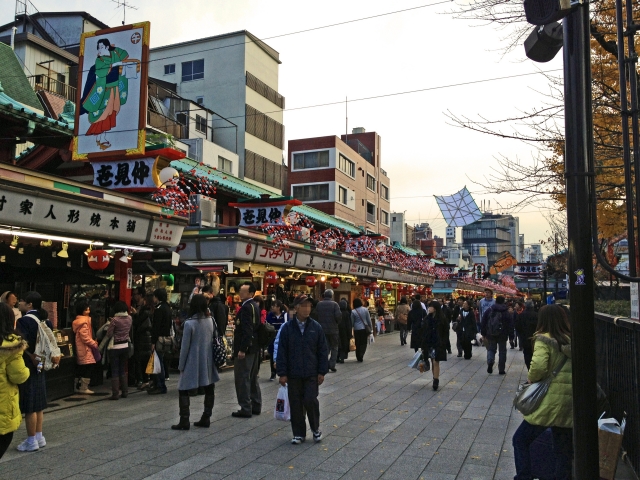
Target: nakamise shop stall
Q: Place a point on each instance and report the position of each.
(68, 240)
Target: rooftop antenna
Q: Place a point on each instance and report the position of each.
(124, 5)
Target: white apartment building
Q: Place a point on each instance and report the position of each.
(234, 75)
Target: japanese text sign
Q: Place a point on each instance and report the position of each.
(128, 175)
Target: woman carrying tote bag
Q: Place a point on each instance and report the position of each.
(552, 346)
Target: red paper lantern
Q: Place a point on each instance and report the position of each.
(311, 281)
(271, 277)
(374, 286)
(335, 282)
(388, 287)
(421, 289)
(98, 259)
(428, 291)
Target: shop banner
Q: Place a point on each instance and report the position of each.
(274, 256)
(321, 262)
(165, 234)
(257, 216)
(361, 270)
(127, 175)
(530, 270)
(111, 103)
(376, 272)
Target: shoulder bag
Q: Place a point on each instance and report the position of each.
(367, 328)
(530, 395)
(219, 350)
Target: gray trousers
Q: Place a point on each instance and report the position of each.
(245, 374)
(333, 340)
(494, 346)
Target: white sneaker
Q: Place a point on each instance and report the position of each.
(297, 440)
(28, 446)
(41, 442)
(317, 436)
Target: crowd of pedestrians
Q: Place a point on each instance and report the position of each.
(311, 338)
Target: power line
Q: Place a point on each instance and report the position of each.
(440, 87)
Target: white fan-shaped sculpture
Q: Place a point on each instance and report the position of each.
(459, 209)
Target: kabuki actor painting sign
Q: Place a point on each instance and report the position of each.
(111, 102)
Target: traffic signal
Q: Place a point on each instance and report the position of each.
(543, 12)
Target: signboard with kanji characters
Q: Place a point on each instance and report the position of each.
(527, 269)
(127, 175)
(322, 262)
(111, 100)
(256, 215)
(44, 214)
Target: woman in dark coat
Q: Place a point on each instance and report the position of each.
(142, 322)
(467, 328)
(434, 339)
(345, 329)
(414, 322)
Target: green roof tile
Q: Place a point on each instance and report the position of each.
(14, 81)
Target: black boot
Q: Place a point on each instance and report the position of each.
(205, 420)
(124, 387)
(115, 388)
(184, 424)
(436, 383)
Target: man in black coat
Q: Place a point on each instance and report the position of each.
(246, 364)
(160, 327)
(302, 364)
(329, 317)
(526, 325)
(219, 311)
(496, 327)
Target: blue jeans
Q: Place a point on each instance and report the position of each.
(492, 348)
(562, 448)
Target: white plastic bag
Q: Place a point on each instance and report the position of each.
(282, 410)
(157, 368)
(372, 339)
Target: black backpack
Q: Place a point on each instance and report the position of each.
(495, 327)
(265, 333)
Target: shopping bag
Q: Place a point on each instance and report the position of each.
(610, 434)
(352, 345)
(371, 339)
(415, 361)
(282, 410)
(149, 369)
(157, 368)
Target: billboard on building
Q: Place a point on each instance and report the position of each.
(111, 101)
(479, 250)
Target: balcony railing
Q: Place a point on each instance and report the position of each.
(371, 218)
(48, 84)
(165, 124)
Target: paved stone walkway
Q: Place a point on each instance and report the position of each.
(380, 419)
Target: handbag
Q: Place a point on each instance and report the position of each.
(352, 345)
(149, 369)
(367, 328)
(530, 395)
(219, 350)
(164, 344)
(97, 356)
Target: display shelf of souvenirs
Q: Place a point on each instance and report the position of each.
(64, 342)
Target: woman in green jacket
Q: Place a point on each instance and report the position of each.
(12, 372)
(551, 346)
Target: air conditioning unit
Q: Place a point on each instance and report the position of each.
(204, 214)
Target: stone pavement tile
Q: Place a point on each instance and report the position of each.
(506, 469)
(366, 469)
(483, 454)
(437, 429)
(230, 463)
(386, 453)
(281, 455)
(204, 476)
(462, 434)
(254, 470)
(475, 413)
(283, 473)
(456, 405)
(77, 476)
(366, 442)
(343, 460)
(494, 421)
(172, 457)
(476, 472)
(425, 475)
(423, 447)
(119, 464)
(352, 428)
(183, 469)
(406, 468)
(320, 475)
(136, 472)
(446, 461)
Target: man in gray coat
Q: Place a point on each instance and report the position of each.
(329, 316)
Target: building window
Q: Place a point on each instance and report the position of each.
(263, 89)
(384, 217)
(200, 100)
(311, 193)
(371, 183)
(224, 164)
(393, 219)
(170, 69)
(371, 213)
(384, 191)
(342, 195)
(347, 166)
(311, 160)
(192, 70)
(201, 124)
(263, 170)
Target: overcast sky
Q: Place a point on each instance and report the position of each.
(423, 48)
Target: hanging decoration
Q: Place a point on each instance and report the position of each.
(335, 282)
(271, 277)
(388, 287)
(310, 281)
(175, 193)
(98, 259)
(374, 286)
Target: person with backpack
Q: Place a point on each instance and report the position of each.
(13, 372)
(483, 305)
(246, 352)
(402, 317)
(33, 392)
(495, 328)
(86, 345)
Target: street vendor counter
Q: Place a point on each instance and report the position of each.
(60, 380)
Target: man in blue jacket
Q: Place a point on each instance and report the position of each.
(302, 363)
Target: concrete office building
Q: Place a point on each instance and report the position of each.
(342, 177)
(499, 232)
(234, 75)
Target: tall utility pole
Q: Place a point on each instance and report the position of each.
(578, 153)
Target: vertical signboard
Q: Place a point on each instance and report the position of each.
(111, 101)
